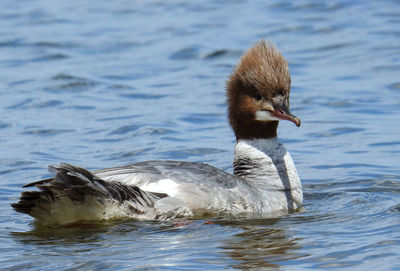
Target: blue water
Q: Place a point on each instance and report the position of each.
(107, 83)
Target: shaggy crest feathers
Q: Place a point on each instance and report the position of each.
(262, 72)
(262, 67)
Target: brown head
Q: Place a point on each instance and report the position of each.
(258, 93)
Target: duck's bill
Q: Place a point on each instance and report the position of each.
(283, 113)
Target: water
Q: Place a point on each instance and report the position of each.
(108, 83)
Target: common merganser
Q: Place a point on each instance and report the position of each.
(264, 182)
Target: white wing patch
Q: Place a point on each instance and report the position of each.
(166, 186)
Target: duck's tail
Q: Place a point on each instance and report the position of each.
(75, 195)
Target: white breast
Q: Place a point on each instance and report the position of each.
(270, 170)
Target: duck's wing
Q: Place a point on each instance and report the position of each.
(197, 186)
(192, 187)
(149, 173)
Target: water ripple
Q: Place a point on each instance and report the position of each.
(46, 132)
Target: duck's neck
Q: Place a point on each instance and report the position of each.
(254, 129)
(267, 166)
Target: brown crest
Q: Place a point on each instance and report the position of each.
(261, 72)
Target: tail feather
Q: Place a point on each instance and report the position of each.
(75, 194)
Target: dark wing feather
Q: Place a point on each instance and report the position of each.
(76, 183)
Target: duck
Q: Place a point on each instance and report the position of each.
(264, 182)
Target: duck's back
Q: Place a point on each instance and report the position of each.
(199, 188)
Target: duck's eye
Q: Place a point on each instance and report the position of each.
(281, 92)
(258, 97)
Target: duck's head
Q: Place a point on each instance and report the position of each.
(258, 93)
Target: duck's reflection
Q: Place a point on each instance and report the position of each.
(90, 233)
(261, 245)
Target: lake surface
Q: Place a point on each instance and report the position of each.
(107, 83)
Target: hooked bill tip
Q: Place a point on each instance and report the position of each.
(297, 121)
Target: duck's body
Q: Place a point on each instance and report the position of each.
(264, 182)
